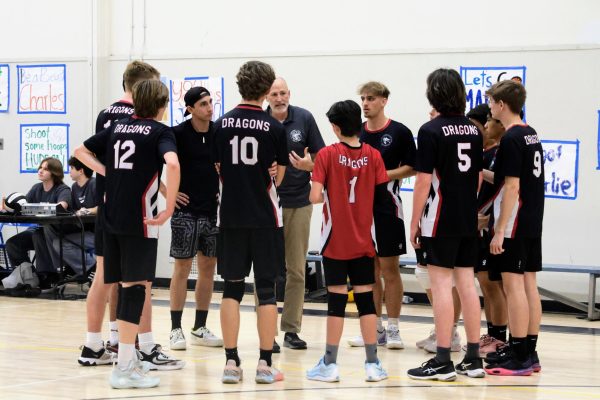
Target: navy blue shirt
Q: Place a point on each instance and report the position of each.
(301, 132)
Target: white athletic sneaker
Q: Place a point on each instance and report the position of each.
(324, 373)
(177, 339)
(204, 337)
(161, 361)
(131, 378)
(454, 345)
(232, 373)
(359, 342)
(394, 341)
(375, 372)
(429, 339)
(266, 374)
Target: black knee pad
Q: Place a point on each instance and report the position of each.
(364, 303)
(265, 291)
(131, 303)
(336, 304)
(234, 290)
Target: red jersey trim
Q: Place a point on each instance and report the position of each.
(389, 121)
(125, 101)
(136, 117)
(249, 107)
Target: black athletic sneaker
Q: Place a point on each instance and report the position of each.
(161, 361)
(292, 341)
(472, 368)
(511, 367)
(89, 357)
(535, 362)
(499, 356)
(434, 370)
(276, 347)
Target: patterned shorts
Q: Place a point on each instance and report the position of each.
(191, 234)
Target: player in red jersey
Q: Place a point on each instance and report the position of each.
(344, 179)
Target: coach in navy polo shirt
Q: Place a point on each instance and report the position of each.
(304, 141)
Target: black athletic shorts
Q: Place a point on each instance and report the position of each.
(259, 249)
(420, 258)
(390, 237)
(360, 271)
(191, 234)
(450, 252)
(520, 255)
(483, 252)
(129, 258)
(99, 232)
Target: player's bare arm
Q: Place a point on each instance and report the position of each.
(401, 172)
(488, 176)
(420, 193)
(89, 159)
(280, 174)
(173, 177)
(316, 193)
(507, 205)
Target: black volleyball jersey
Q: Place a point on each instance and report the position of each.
(247, 141)
(450, 148)
(396, 144)
(488, 190)
(521, 155)
(119, 110)
(134, 151)
(199, 179)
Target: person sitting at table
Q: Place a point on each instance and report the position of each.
(83, 202)
(51, 189)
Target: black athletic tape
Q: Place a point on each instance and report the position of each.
(364, 303)
(132, 304)
(265, 291)
(234, 290)
(336, 304)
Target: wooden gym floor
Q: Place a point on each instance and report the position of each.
(40, 339)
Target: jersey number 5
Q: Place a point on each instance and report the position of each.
(464, 161)
(245, 150)
(128, 147)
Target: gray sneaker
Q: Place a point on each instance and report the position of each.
(266, 374)
(232, 373)
(132, 378)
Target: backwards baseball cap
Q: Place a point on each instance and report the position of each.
(193, 95)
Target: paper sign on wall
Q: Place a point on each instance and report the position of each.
(479, 79)
(4, 87)
(408, 184)
(179, 87)
(42, 89)
(561, 163)
(39, 141)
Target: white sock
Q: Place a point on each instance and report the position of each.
(113, 329)
(93, 340)
(146, 342)
(379, 324)
(393, 322)
(126, 354)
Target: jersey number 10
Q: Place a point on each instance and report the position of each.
(245, 150)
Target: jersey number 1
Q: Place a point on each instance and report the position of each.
(128, 146)
(241, 148)
(351, 198)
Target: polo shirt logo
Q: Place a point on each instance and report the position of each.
(386, 140)
(296, 135)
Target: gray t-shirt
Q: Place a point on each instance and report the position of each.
(84, 196)
(56, 194)
(301, 131)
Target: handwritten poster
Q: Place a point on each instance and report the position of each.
(42, 89)
(561, 164)
(179, 87)
(4, 87)
(479, 79)
(408, 184)
(39, 141)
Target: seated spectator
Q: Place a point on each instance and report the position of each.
(83, 201)
(51, 189)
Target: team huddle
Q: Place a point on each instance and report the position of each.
(239, 193)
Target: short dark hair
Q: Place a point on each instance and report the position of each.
(78, 165)
(479, 113)
(137, 71)
(346, 115)
(56, 169)
(254, 79)
(446, 91)
(149, 96)
(512, 93)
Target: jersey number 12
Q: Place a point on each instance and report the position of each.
(128, 147)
